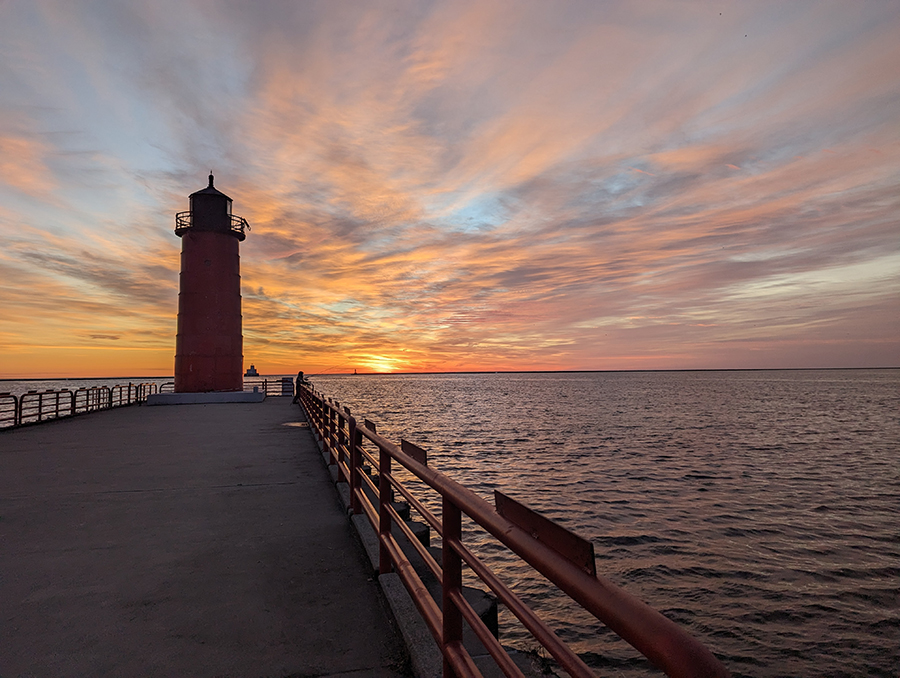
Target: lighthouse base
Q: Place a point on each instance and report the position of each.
(205, 398)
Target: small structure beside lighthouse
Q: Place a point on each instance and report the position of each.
(209, 341)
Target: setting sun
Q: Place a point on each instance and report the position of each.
(380, 364)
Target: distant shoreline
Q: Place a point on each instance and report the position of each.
(692, 369)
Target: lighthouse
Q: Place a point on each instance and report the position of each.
(209, 342)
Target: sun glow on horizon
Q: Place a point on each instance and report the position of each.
(382, 364)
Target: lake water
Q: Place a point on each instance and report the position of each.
(760, 510)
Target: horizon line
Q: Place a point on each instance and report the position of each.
(387, 374)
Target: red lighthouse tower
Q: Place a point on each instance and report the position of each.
(209, 343)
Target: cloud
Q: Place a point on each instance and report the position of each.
(23, 166)
(463, 185)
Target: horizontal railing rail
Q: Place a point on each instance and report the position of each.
(35, 407)
(562, 557)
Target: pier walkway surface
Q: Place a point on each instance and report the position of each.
(190, 540)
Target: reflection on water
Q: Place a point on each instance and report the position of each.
(757, 509)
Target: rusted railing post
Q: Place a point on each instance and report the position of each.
(325, 431)
(343, 450)
(355, 464)
(451, 580)
(332, 436)
(329, 430)
(341, 443)
(318, 414)
(384, 516)
(323, 424)
(7, 413)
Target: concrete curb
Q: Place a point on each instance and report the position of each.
(424, 656)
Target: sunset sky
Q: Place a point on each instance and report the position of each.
(443, 186)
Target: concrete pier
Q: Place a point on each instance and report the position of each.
(197, 540)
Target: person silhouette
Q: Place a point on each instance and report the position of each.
(300, 380)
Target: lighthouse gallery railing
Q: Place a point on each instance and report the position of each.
(562, 557)
(185, 221)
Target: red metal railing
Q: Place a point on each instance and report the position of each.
(38, 406)
(561, 556)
